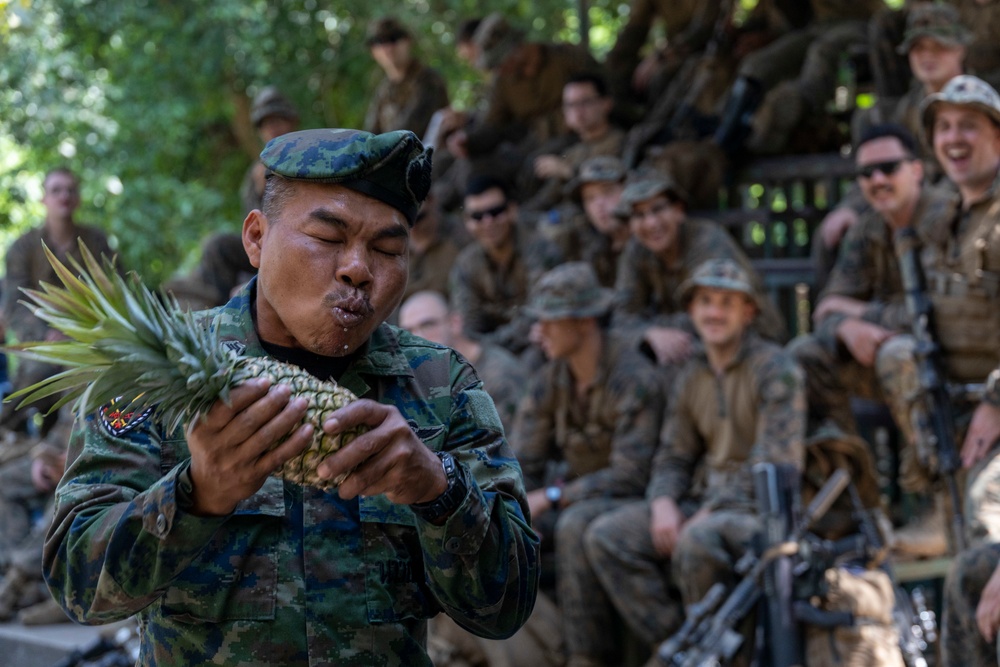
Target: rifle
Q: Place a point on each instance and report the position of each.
(714, 639)
(936, 421)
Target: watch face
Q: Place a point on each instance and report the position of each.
(553, 494)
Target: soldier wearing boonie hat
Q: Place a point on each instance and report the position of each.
(331, 250)
(602, 445)
(723, 274)
(600, 169)
(965, 90)
(645, 184)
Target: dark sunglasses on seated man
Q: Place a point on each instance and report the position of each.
(494, 212)
(887, 168)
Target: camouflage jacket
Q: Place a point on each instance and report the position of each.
(605, 440)
(550, 192)
(295, 575)
(490, 296)
(27, 266)
(961, 261)
(577, 240)
(646, 288)
(755, 410)
(867, 268)
(504, 378)
(529, 108)
(407, 104)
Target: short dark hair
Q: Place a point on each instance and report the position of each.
(593, 78)
(277, 192)
(882, 130)
(480, 183)
(466, 30)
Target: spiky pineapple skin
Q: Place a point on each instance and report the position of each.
(323, 399)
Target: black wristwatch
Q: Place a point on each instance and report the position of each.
(453, 495)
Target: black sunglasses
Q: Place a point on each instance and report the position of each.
(492, 212)
(888, 168)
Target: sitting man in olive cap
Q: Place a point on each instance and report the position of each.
(584, 434)
(738, 401)
(226, 563)
(663, 252)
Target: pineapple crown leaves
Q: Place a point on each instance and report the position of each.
(123, 341)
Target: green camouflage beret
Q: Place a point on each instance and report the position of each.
(645, 184)
(719, 273)
(393, 168)
(600, 169)
(570, 290)
(939, 22)
(964, 90)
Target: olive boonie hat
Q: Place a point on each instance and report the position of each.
(270, 102)
(719, 273)
(939, 22)
(569, 290)
(645, 184)
(495, 38)
(386, 29)
(394, 167)
(600, 169)
(964, 90)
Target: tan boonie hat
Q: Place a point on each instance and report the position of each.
(386, 29)
(600, 169)
(270, 102)
(720, 274)
(939, 22)
(963, 90)
(645, 184)
(495, 38)
(570, 290)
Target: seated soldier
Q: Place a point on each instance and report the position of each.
(586, 108)
(590, 420)
(427, 314)
(595, 234)
(663, 252)
(490, 279)
(738, 401)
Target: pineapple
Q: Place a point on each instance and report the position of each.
(125, 343)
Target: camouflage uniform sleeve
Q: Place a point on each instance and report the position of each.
(118, 538)
(781, 425)
(632, 293)
(534, 429)
(17, 318)
(483, 561)
(638, 395)
(432, 94)
(680, 448)
(461, 282)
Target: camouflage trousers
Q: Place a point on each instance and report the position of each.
(634, 576)
(832, 377)
(586, 609)
(896, 368)
(961, 643)
(21, 508)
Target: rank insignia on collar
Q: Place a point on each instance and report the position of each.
(119, 417)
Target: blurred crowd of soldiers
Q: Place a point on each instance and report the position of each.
(639, 366)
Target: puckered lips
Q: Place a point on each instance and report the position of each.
(350, 310)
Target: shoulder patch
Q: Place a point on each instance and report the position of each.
(234, 346)
(118, 417)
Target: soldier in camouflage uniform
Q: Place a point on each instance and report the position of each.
(491, 277)
(434, 245)
(229, 565)
(663, 252)
(586, 109)
(594, 234)
(426, 314)
(585, 435)
(411, 92)
(524, 104)
(27, 267)
(738, 401)
(961, 262)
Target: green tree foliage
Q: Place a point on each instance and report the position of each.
(148, 99)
